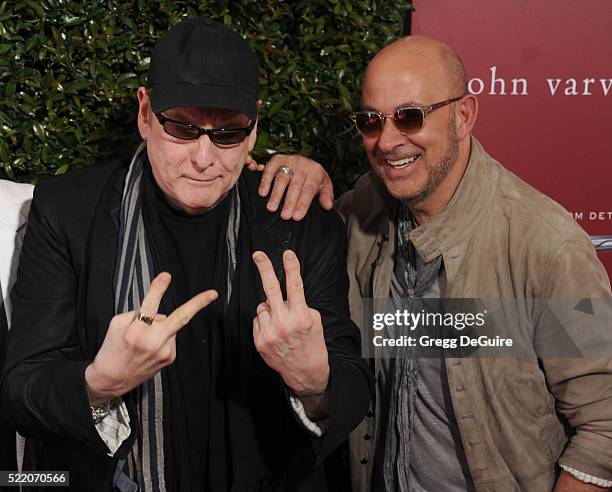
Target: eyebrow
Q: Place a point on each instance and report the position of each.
(403, 105)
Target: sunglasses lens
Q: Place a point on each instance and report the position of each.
(408, 119)
(178, 130)
(368, 124)
(228, 137)
(218, 136)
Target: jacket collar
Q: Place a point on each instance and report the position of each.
(470, 203)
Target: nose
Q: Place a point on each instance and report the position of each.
(203, 153)
(390, 137)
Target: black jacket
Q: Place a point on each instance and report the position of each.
(63, 302)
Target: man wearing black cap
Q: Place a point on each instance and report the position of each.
(114, 365)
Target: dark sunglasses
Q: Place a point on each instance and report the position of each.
(218, 136)
(409, 119)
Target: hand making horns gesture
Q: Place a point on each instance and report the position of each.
(138, 344)
(288, 334)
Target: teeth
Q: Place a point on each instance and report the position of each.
(401, 162)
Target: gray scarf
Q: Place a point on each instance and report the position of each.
(134, 272)
(404, 368)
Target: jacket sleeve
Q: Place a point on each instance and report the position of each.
(582, 386)
(326, 289)
(43, 386)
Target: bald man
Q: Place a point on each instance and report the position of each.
(438, 217)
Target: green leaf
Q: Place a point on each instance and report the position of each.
(9, 92)
(39, 130)
(62, 169)
(72, 21)
(35, 6)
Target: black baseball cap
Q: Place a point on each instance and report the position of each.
(203, 63)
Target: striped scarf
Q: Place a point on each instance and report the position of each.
(134, 272)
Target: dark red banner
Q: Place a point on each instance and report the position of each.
(543, 73)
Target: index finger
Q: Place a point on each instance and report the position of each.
(268, 279)
(185, 312)
(150, 303)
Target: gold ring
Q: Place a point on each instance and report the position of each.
(145, 318)
(286, 170)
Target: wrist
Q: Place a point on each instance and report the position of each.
(97, 391)
(567, 482)
(311, 387)
(101, 411)
(307, 393)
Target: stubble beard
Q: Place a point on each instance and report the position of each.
(437, 172)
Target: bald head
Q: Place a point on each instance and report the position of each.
(420, 158)
(435, 59)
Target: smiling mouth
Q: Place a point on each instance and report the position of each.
(401, 163)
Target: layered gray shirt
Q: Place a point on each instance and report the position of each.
(437, 460)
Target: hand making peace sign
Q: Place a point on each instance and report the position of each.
(288, 334)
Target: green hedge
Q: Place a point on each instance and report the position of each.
(69, 71)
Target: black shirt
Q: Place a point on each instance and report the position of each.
(189, 248)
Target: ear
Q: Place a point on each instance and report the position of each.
(467, 111)
(253, 136)
(144, 113)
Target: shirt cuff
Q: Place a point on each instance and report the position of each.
(298, 408)
(600, 482)
(114, 428)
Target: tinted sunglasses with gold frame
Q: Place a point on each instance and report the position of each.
(407, 119)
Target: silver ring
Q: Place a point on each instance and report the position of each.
(286, 170)
(146, 319)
